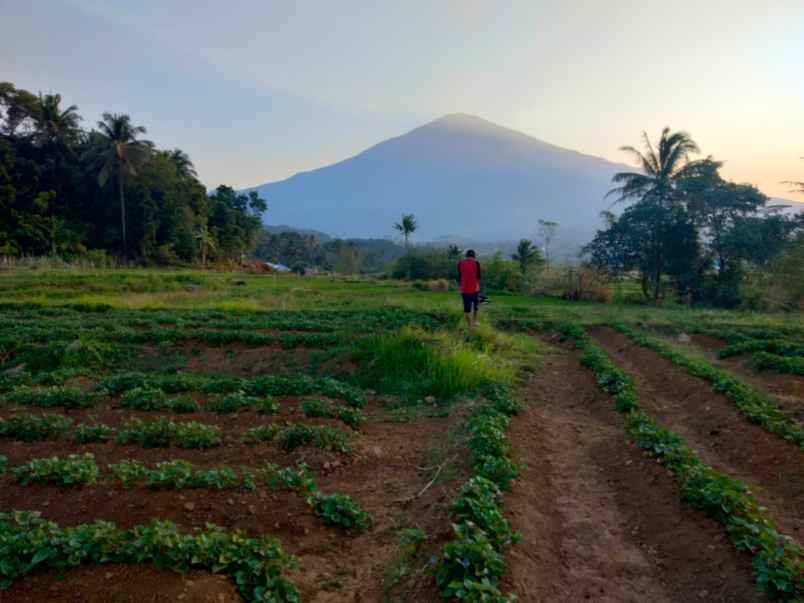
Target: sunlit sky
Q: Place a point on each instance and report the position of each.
(256, 90)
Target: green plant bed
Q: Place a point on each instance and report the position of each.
(69, 397)
(325, 408)
(750, 402)
(777, 559)
(162, 432)
(29, 427)
(75, 470)
(258, 566)
(791, 365)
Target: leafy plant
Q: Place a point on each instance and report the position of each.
(72, 471)
(262, 433)
(160, 433)
(320, 436)
(70, 397)
(239, 401)
(325, 408)
(298, 478)
(29, 427)
(86, 433)
(339, 510)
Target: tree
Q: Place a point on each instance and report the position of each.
(454, 252)
(527, 254)
(407, 226)
(662, 168)
(658, 223)
(116, 151)
(56, 127)
(181, 160)
(546, 233)
(206, 243)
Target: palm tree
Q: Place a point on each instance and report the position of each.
(55, 126)
(184, 166)
(117, 151)
(407, 226)
(206, 243)
(662, 168)
(526, 254)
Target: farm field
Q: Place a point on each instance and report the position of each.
(177, 435)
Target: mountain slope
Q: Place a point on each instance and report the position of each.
(460, 175)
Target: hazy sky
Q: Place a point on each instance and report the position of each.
(256, 90)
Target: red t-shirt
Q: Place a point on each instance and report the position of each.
(469, 272)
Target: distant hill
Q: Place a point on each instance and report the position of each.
(279, 228)
(458, 174)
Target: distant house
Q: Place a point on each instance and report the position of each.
(277, 267)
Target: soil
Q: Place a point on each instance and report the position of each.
(714, 428)
(788, 390)
(336, 565)
(600, 522)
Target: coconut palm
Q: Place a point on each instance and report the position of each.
(184, 166)
(526, 254)
(56, 126)
(116, 150)
(407, 226)
(662, 168)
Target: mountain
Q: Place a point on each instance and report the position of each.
(460, 175)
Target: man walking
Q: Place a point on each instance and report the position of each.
(469, 278)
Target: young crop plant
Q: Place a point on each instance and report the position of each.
(257, 565)
(777, 559)
(69, 397)
(161, 433)
(790, 365)
(262, 433)
(299, 479)
(144, 398)
(73, 471)
(3, 465)
(325, 408)
(129, 472)
(179, 474)
(29, 427)
(238, 400)
(320, 436)
(339, 510)
(86, 433)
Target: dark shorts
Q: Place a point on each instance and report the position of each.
(471, 301)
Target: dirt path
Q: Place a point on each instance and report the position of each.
(599, 521)
(712, 426)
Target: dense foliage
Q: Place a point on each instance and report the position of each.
(688, 227)
(71, 192)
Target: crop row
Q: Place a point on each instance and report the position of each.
(77, 470)
(162, 433)
(257, 565)
(382, 318)
(473, 561)
(777, 559)
(751, 403)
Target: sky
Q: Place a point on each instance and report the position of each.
(258, 90)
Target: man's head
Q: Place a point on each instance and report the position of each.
(470, 253)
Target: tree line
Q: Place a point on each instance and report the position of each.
(68, 191)
(688, 231)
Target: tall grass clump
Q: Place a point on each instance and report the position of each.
(413, 363)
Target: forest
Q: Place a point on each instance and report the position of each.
(108, 192)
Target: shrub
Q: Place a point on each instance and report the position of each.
(72, 471)
(28, 427)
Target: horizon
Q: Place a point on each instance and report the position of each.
(269, 104)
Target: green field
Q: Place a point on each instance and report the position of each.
(317, 438)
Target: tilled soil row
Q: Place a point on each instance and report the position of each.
(788, 389)
(600, 522)
(712, 426)
(336, 565)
